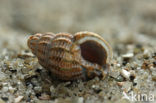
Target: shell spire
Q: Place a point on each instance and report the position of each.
(83, 55)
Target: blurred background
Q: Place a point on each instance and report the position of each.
(101, 16)
(113, 19)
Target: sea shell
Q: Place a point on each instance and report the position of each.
(83, 55)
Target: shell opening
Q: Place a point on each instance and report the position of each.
(93, 52)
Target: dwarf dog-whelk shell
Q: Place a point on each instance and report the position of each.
(83, 55)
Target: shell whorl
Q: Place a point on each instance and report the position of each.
(69, 57)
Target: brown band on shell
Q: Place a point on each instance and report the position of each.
(71, 57)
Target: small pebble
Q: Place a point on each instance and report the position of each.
(145, 65)
(120, 78)
(120, 83)
(2, 76)
(128, 55)
(5, 89)
(24, 55)
(114, 73)
(78, 100)
(11, 89)
(44, 97)
(5, 98)
(18, 99)
(118, 65)
(125, 74)
(96, 88)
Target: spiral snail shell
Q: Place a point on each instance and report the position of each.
(83, 55)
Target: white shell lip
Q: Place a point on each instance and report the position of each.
(85, 35)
